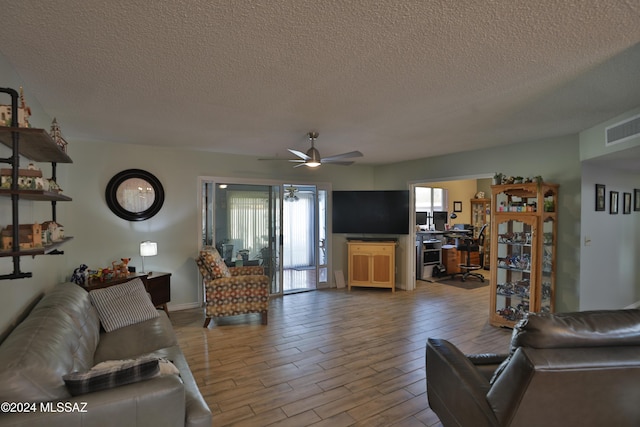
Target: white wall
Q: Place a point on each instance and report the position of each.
(609, 276)
(610, 267)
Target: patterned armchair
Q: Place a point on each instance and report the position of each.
(230, 291)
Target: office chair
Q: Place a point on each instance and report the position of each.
(469, 244)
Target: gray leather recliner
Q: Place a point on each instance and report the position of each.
(566, 369)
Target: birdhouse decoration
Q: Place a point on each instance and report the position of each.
(30, 236)
(52, 232)
(28, 179)
(56, 134)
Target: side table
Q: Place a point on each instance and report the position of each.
(159, 286)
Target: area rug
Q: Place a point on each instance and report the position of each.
(470, 283)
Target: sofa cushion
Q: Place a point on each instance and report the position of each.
(123, 305)
(59, 336)
(134, 340)
(110, 375)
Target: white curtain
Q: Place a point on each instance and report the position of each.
(248, 220)
(298, 232)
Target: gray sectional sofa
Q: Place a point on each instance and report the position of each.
(62, 335)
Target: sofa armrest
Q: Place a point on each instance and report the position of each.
(487, 363)
(456, 389)
(158, 401)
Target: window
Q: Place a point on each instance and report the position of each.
(430, 199)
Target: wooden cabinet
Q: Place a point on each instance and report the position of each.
(372, 264)
(36, 145)
(523, 261)
(452, 258)
(480, 215)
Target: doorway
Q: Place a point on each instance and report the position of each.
(456, 198)
(280, 226)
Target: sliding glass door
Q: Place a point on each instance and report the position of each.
(299, 238)
(281, 227)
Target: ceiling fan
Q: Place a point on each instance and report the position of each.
(313, 159)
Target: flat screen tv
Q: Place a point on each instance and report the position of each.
(371, 212)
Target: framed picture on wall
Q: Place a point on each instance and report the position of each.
(600, 195)
(613, 202)
(626, 203)
(457, 206)
(636, 199)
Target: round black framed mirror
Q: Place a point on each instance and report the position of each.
(134, 195)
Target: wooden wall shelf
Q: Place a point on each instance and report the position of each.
(45, 250)
(35, 144)
(39, 195)
(38, 146)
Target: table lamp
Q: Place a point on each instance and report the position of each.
(148, 248)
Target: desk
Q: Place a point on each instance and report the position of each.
(429, 251)
(157, 284)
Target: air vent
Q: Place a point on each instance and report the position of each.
(622, 131)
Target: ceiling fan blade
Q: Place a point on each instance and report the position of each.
(336, 162)
(342, 156)
(296, 160)
(299, 154)
(302, 163)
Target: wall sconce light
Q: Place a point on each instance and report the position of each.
(148, 248)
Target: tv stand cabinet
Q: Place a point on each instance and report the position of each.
(372, 264)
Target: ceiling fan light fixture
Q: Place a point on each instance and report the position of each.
(313, 155)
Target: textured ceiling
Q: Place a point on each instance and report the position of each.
(395, 79)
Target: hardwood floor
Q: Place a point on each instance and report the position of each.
(332, 357)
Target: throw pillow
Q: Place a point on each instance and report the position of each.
(111, 374)
(166, 366)
(123, 305)
(214, 263)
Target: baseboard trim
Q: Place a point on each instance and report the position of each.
(634, 305)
